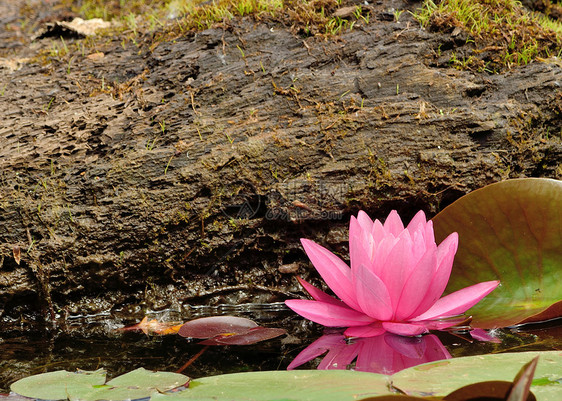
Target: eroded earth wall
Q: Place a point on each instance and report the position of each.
(151, 175)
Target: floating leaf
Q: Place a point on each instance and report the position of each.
(55, 385)
(139, 383)
(434, 379)
(489, 390)
(518, 390)
(228, 330)
(511, 231)
(207, 327)
(89, 386)
(305, 385)
(252, 336)
(443, 377)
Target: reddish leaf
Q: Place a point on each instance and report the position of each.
(486, 391)
(207, 327)
(13, 397)
(228, 330)
(522, 383)
(252, 336)
(509, 231)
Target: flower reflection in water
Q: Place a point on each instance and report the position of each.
(387, 353)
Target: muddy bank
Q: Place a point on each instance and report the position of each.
(156, 174)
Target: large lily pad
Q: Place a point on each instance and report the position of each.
(89, 386)
(432, 379)
(56, 385)
(303, 385)
(443, 377)
(139, 383)
(511, 231)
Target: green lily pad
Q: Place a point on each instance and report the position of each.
(89, 386)
(298, 385)
(139, 383)
(509, 231)
(57, 385)
(432, 379)
(443, 377)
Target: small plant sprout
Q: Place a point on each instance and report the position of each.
(336, 25)
(150, 144)
(397, 14)
(48, 106)
(168, 164)
(131, 21)
(241, 51)
(358, 13)
(229, 138)
(69, 65)
(64, 46)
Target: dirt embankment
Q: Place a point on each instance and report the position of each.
(154, 174)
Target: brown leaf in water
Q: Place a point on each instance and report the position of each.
(153, 327)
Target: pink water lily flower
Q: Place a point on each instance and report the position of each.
(395, 282)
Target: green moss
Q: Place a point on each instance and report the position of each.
(173, 17)
(501, 33)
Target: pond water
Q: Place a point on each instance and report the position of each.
(92, 342)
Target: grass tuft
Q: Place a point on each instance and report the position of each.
(501, 33)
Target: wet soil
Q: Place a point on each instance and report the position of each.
(147, 174)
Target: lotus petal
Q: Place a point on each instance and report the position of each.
(397, 267)
(318, 294)
(404, 329)
(445, 255)
(364, 221)
(333, 270)
(417, 221)
(393, 224)
(328, 314)
(372, 330)
(459, 301)
(416, 287)
(372, 294)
